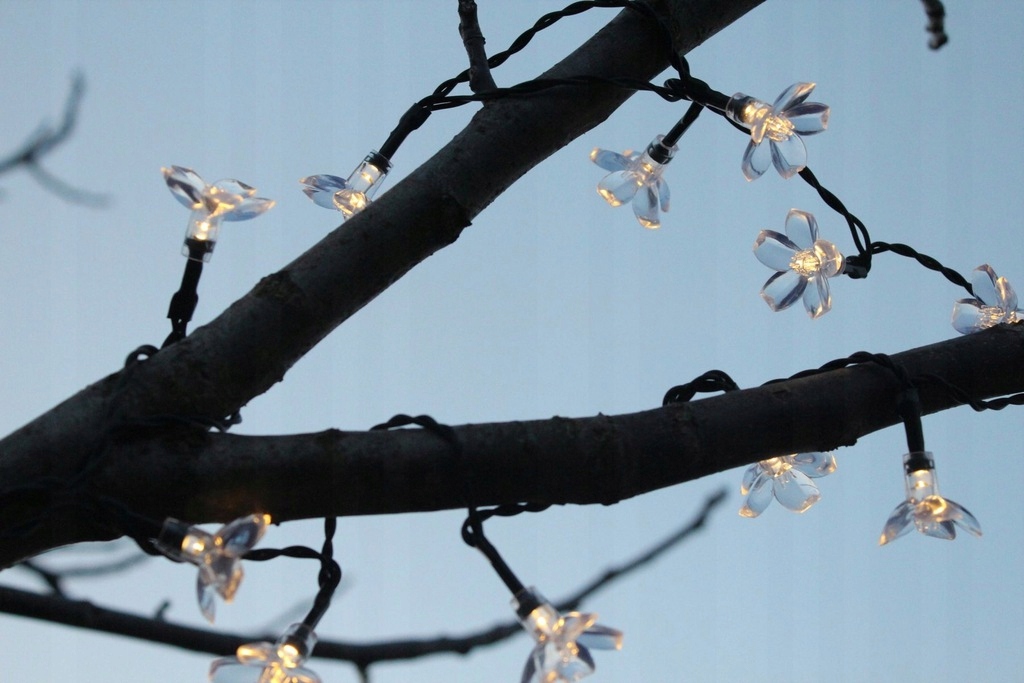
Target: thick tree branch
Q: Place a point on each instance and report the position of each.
(197, 475)
(223, 365)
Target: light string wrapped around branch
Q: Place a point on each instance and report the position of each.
(284, 660)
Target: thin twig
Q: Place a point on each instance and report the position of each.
(86, 615)
(480, 79)
(45, 140)
(936, 23)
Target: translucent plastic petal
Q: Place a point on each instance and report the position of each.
(792, 96)
(236, 187)
(645, 207)
(574, 624)
(817, 297)
(619, 187)
(795, 491)
(756, 160)
(814, 464)
(774, 250)
(782, 289)
(249, 208)
(967, 316)
(809, 118)
(663, 193)
(321, 189)
(789, 155)
(611, 161)
(186, 185)
(936, 529)
(750, 477)
(529, 670)
(240, 535)
(204, 593)
(898, 524)
(959, 515)
(759, 498)
(983, 282)
(599, 637)
(801, 228)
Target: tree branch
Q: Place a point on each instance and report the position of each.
(192, 474)
(226, 363)
(59, 609)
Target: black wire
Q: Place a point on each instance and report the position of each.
(710, 381)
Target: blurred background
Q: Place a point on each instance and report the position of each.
(552, 303)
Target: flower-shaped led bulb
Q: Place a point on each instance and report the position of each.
(348, 196)
(781, 125)
(995, 302)
(788, 479)
(218, 555)
(280, 662)
(561, 653)
(924, 509)
(637, 178)
(225, 200)
(804, 264)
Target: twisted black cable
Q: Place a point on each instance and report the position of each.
(710, 381)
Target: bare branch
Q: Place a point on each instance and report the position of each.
(83, 614)
(480, 78)
(44, 141)
(936, 23)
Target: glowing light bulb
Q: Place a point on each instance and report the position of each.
(924, 509)
(636, 178)
(280, 662)
(561, 653)
(787, 479)
(804, 264)
(218, 555)
(352, 195)
(782, 124)
(995, 302)
(224, 200)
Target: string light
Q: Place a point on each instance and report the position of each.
(561, 653)
(279, 662)
(995, 302)
(781, 124)
(924, 509)
(636, 178)
(788, 479)
(804, 264)
(224, 200)
(218, 555)
(349, 196)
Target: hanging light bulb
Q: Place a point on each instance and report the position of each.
(788, 479)
(995, 302)
(780, 124)
(348, 196)
(804, 264)
(218, 555)
(225, 200)
(280, 662)
(560, 653)
(636, 178)
(924, 509)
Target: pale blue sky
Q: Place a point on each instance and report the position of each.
(551, 304)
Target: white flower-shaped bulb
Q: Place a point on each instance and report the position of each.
(995, 302)
(560, 653)
(280, 662)
(352, 195)
(788, 479)
(924, 509)
(804, 264)
(218, 555)
(780, 125)
(636, 178)
(224, 200)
